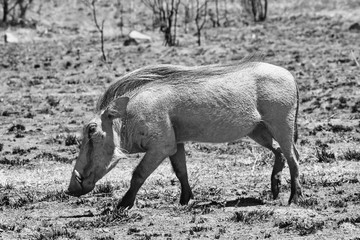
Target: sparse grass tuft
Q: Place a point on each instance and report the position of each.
(340, 128)
(105, 188)
(16, 161)
(55, 196)
(353, 220)
(351, 155)
(309, 202)
(103, 238)
(7, 186)
(16, 128)
(16, 201)
(52, 101)
(6, 227)
(53, 157)
(325, 156)
(230, 148)
(109, 216)
(356, 107)
(71, 140)
(199, 228)
(253, 216)
(56, 233)
(339, 203)
(20, 151)
(302, 226)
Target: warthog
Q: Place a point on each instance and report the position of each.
(157, 109)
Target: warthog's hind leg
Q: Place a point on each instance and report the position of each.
(262, 136)
(276, 172)
(178, 163)
(283, 133)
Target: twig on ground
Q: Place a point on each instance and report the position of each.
(354, 58)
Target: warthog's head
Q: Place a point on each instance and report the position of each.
(99, 153)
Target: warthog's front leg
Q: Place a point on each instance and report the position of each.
(148, 164)
(178, 163)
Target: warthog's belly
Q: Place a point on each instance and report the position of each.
(217, 125)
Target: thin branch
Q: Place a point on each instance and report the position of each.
(100, 29)
(199, 10)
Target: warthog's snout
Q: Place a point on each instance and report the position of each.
(78, 185)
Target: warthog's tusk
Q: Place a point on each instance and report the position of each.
(78, 177)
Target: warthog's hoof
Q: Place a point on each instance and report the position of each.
(296, 196)
(275, 185)
(185, 197)
(125, 203)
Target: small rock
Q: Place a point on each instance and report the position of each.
(130, 42)
(10, 38)
(139, 36)
(355, 27)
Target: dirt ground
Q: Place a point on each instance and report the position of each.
(51, 78)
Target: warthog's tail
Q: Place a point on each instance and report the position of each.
(296, 135)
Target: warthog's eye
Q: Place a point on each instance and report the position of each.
(92, 129)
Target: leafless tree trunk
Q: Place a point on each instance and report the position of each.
(217, 13)
(258, 8)
(9, 6)
(187, 14)
(5, 4)
(201, 12)
(226, 22)
(120, 14)
(167, 11)
(23, 7)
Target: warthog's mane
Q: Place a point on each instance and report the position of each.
(170, 74)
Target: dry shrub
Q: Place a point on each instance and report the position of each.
(71, 140)
(325, 156)
(351, 155)
(302, 226)
(104, 188)
(253, 216)
(53, 157)
(16, 161)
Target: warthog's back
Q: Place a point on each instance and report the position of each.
(218, 107)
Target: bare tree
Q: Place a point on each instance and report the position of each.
(227, 21)
(120, 14)
(187, 14)
(5, 5)
(9, 6)
(23, 7)
(214, 16)
(258, 8)
(92, 5)
(166, 12)
(200, 18)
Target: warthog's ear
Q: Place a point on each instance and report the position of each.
(116, 109)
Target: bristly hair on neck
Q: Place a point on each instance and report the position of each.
(170, 74)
